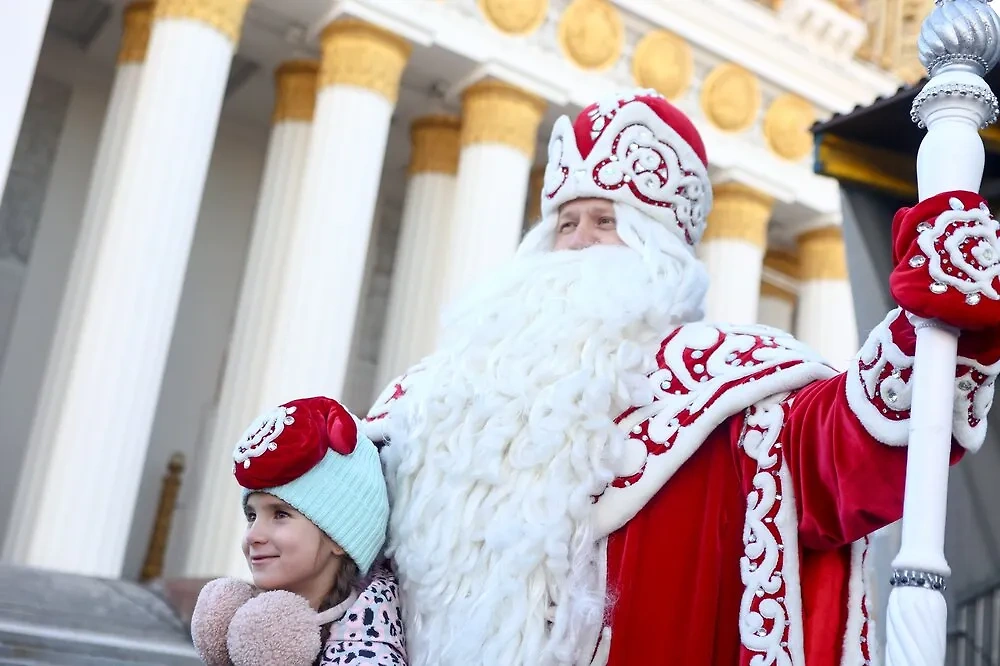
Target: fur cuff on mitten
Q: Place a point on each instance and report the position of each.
(975, 377)
(879, 382)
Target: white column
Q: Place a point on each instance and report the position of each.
(22, 27)
(413, 312)
(733, 252)
(499, 132)
(778, 287)
(216, 520)
(825, 319)
(124, 92)
(324, 275)
(103, 417)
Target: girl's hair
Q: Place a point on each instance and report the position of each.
(347, 577)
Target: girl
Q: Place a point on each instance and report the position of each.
(316, 508)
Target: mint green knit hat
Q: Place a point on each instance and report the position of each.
(311, 454)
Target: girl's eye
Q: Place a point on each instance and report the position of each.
(251, 516)
(281, 514)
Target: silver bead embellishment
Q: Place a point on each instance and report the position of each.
(918, 261)
(938, 288)
(966, 385)
(924, 226)
(891, 396)
(972, 299)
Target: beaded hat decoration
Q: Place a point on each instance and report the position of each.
(637, 149)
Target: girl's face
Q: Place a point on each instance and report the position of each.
(286, 551)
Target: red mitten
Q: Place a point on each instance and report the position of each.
(947, 255)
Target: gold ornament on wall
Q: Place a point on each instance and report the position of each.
(786, 126)
(663, 61)
(591, 34)
(515, 17)
(730, 98)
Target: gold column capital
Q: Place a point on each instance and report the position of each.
(776, 291)
(535, 182)
(434, 144)
(822, 255)
(497, 112)
(357, 53)
(226, 16)
(739, 212)
(137, 22)
(784, 262)
(295, 91)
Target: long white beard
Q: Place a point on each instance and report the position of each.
(506, 434)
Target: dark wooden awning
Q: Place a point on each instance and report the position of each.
(875, 146)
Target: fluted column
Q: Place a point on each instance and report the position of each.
(124, 92)
(415, 293)
(778, 288)
(733, 250)
(216, 520)
(499, 130)
(316, 314)
(22, 27)
(825, 319)
(101, 420)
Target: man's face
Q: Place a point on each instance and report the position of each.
(586, 222)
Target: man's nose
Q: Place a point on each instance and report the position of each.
(583, 237)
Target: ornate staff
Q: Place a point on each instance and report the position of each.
(959, 42)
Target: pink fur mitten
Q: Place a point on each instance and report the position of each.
(217, 603)
(275, 628)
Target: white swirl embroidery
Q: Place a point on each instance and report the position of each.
(963, 251)
(764, 616)
(262, 434)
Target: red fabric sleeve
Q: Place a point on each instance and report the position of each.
(846, 483)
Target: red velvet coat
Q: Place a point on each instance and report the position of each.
(753, 542)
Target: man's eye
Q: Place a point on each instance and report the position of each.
(608, 221)
(566, 225)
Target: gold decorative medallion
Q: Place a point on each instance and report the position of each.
(497, 112)
(730, 98)
(786, 126)
(663, 61)
(434, 144)
(360, 54)
(515, 17)
(138, 21)
(226, 16)
(591, 34)
(295, 91)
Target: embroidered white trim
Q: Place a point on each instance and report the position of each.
(770, 608)
(970, 271)
(260, 437)
(878, 385)
(706, 374)
(974, 388)
(860, 645)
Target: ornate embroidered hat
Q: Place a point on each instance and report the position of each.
(311, 454)
(636, 149)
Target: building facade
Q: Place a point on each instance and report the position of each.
(216, 206)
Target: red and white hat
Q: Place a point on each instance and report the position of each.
(637, 149)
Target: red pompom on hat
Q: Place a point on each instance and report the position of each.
(638, 149)
(286, 442)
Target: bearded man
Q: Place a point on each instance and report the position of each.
(583, 474)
